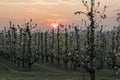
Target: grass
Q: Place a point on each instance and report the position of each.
(43, 71)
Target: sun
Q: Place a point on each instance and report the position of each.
(54, 25)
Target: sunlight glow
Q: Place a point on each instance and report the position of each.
(54, 25)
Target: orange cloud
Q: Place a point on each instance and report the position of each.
(63, 21)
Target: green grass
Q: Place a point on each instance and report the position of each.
(7, 73)
(44, 71)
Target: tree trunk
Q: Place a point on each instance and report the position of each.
(46, 58)
(52, 59)
(42, 57)
(92, 74)
(58, 62)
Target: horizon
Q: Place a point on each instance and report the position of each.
(46, 12)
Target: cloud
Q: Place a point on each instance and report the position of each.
(62, 20)
(69, 2)
(55, 15)
(38, 2)
(28, 2)
(66, 0)
(50, 1)
(15, 1)
(117, 10)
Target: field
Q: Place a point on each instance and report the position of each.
(46, 71)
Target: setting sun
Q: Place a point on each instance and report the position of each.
(54, 25)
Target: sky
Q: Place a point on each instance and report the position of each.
(45, 12)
